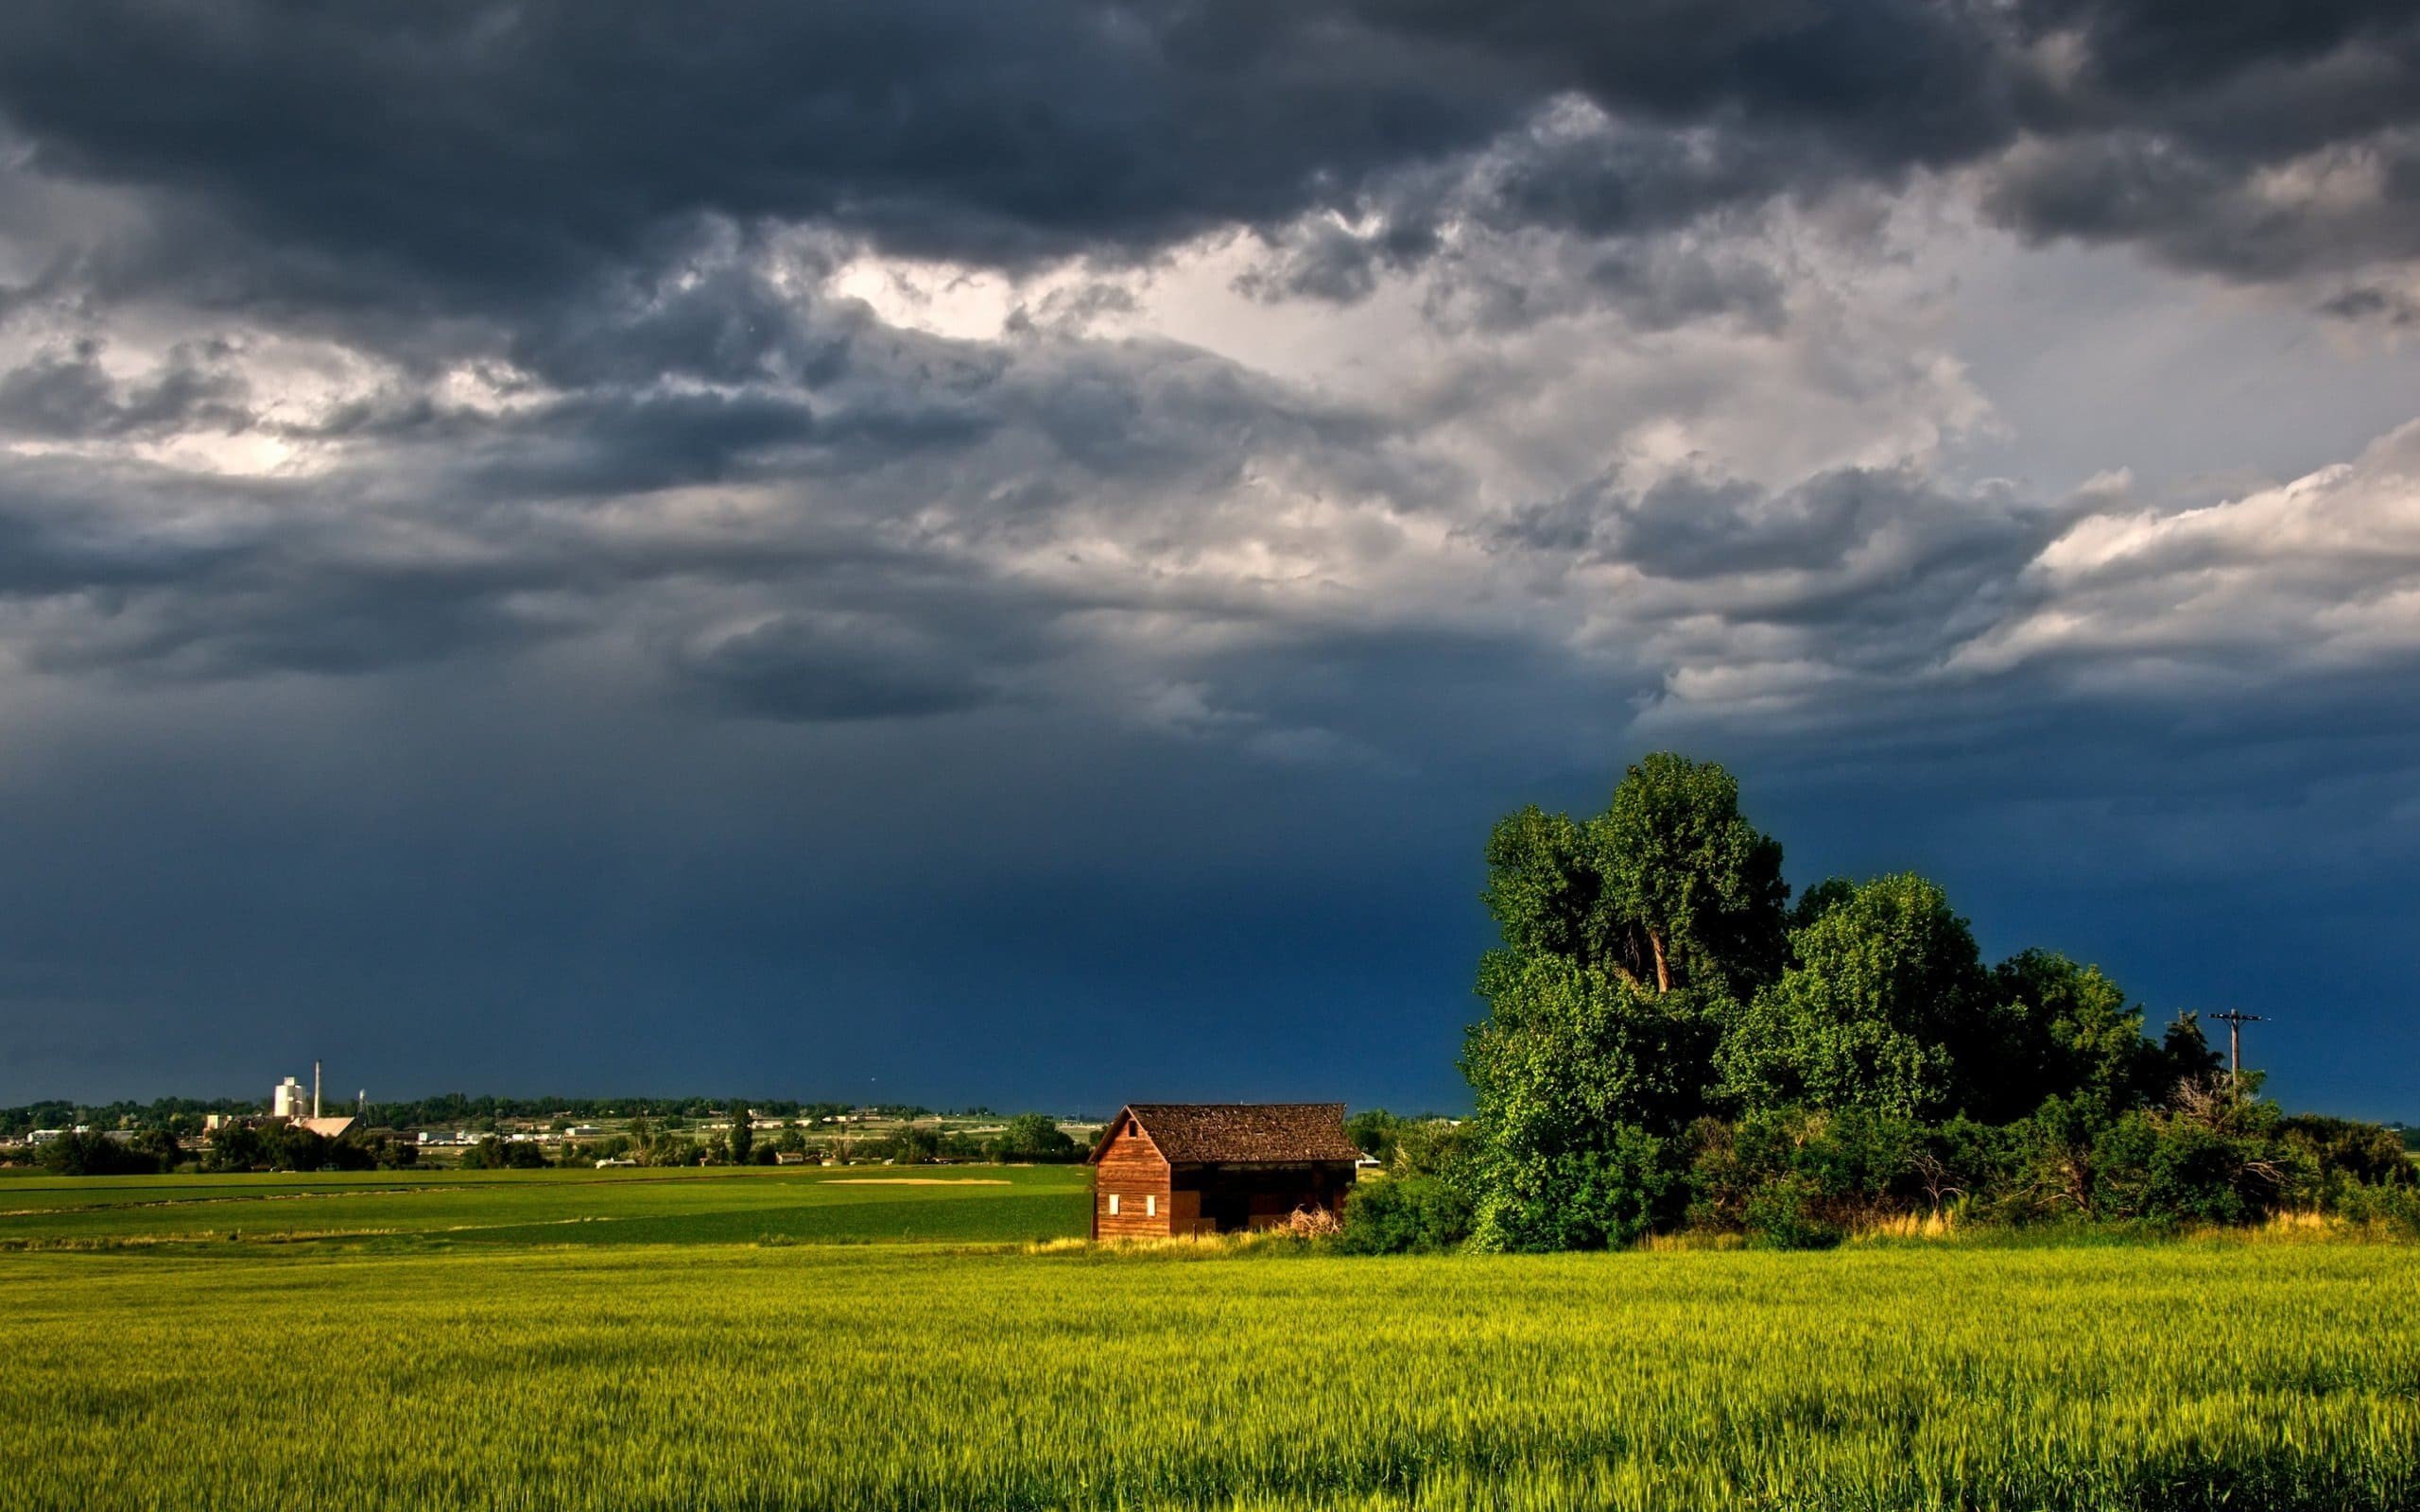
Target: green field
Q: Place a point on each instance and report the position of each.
(471, 1357)
(744, 1205)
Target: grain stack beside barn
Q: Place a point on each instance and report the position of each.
(1166, 1169)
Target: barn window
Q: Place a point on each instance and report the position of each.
(1113, 1204)
(1151, 1207)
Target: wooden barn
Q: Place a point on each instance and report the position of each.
(1162, 1169)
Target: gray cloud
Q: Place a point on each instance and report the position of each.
(807, 514)
(69, 395)
(1689, 527)
(2370, 302)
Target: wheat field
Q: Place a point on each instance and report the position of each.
(763, 1376)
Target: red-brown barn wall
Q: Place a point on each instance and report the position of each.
(1131, 1166)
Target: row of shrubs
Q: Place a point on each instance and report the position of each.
(1027, 1139)
(241, 1148)
(1807, 1179)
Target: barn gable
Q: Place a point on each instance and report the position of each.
(1134, 1185)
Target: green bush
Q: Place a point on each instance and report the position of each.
(2396, 1207)
(1833, 1170)
(1430, 1146)
(1033, 1136)
(1375, 1132)
(2361, 1154)
(78, 1154)
(1632, 1184)
(1399, 1215)
(492, 1154)
(1783, 1215)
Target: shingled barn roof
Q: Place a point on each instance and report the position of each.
(1240, 1133)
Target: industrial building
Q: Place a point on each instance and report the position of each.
(289, 1104)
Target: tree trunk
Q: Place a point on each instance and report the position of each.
(1663, 967)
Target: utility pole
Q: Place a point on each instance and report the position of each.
(2234, 1019)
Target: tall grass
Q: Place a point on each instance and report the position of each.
(642, 1378)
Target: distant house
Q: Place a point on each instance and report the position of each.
(1164, 1169)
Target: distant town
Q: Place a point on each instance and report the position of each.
(298, 1126)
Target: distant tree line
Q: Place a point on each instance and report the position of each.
(1673, 1043)
(456, 1111)
(131, 1138)
(235, 1147)
(176, 1115)
(292, 1147)
(666, 1140)
(1025, 1139)
(184, 1116)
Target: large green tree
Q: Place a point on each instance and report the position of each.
(1625, 939)
(1581, 1081)
(1885, 1008)
(2070, 1033)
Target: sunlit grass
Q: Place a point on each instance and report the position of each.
(742, 1376)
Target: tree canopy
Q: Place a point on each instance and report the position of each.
(1668, 1040)
(1884, 1006)
(1670, 887)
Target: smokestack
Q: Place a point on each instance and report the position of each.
(315, 1089)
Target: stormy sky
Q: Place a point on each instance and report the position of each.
(966, 551)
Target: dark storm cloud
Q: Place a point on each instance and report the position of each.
(484, 159)
(436, 434)
(623, 219)
(2155, 45)
(137, 569)
(2210, 211)
(2209, 133)
(1892, 81)
(503, 149)
(837, 667)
